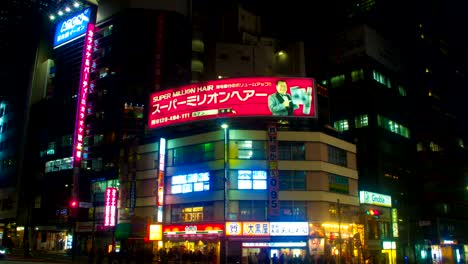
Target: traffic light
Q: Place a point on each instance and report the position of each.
(73, 208)
(373, 212)
(73, 203)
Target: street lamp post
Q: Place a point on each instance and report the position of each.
(226, 178)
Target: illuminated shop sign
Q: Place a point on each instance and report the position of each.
(388, 244)
(267, 228)
(366, 197)
(111, 207)
(162, 160)
(193, 229)
(274, 244)
(395, 222)
(72, 28)
(80, 128)
(236, 97)
(155, 232)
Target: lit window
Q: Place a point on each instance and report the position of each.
(194, 182)
(251, 180)
(357, 75)
(401, 90)
(419, 147)
(337, 80)
(341, 125)
(381, 79)
(361, 121)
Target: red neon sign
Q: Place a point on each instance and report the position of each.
(236, 97)
(111, 207)
(83, 96)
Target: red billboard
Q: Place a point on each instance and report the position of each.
(234, 97)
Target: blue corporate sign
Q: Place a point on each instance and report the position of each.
(72, 27)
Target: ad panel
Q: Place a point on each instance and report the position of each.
(235, 97)
(72, 28)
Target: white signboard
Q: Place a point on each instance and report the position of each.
(366, 197)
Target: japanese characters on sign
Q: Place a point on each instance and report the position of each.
(83, 96)
(273, 179)
(235, 97)
(267, 229)
(111, 207)
(72, 27)
(162, 158)
(194, 229)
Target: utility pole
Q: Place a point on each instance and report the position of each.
(339, 230)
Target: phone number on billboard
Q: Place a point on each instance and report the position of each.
(170, 118)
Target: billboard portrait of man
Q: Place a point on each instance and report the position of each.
(281, 103)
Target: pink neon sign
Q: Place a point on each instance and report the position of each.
(111, 207)
(235, 97)
(83, 96)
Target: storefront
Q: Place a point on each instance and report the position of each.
(194, 241)
(257, 241)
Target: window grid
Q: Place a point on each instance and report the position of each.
(292, 180)
(291, 150)
(341, 125)
(337, 156)
(361, 121)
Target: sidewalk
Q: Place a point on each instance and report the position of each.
(49, 256)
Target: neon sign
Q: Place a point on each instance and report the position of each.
(162, 158)
(273, 180)
(111, 207)
(72, 28)
(235, 97)
(83, 96)
(366, 197)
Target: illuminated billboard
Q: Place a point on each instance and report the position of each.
(82, 100)
(110, 207)
(234, 97)
(72, 28)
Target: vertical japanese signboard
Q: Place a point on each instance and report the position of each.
(162, 158)
(111, 207)
(83, 96)
(273, 180)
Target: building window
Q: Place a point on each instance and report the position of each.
(419, 147)
(194, 182)
(252, 210)
(337, 156)
(381, 79)
(337, 81)
(357, 75)
(289, 150)
(361, 121)
(251, 180)
(191, 154)
(341, 125)
(51, 148)
(248, 149)
(401, 90)
(392, 126)
(67, 140)
(293, 210)
(435, 147)
(338, 184)
(292, 180)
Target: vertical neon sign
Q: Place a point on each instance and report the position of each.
(83, 96)
(273, 181)
(111, 207)
(162, 158)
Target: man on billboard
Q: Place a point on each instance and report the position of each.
(281, 103)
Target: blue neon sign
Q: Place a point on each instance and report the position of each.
(72, 28)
